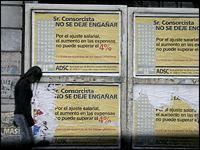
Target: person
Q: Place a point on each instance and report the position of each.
(22, 112)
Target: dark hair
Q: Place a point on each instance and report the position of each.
(35, 71)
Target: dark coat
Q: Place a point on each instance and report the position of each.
(23, 95)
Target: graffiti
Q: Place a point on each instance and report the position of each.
(37, 112)
(10, 131)
(36, 129)
(43, 129)
(7, 86)
(40, 128)
(7, 127)
(10, 63)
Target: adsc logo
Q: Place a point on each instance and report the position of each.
(162, 71)
(62, 67)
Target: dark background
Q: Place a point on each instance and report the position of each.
(130, 3)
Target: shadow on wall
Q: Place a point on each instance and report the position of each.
(140, 142)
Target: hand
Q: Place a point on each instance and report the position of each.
(14, 123)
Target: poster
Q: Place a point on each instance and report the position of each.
(77, 114)
(77, 42)
(7, 127)
(10, 63)
(8, 85)
(166, 45)
(166, 115)
(10, 135)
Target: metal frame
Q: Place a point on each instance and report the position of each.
(83, 79)
(150, 80)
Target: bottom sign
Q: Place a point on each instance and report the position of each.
(166, 115)
(75, 114)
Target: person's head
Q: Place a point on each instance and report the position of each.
(33, 75)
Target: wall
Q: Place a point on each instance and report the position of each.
(11, 65)
(12, 54)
